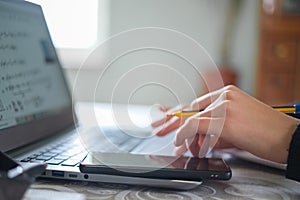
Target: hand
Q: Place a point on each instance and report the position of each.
(248, 124)
(193, 144)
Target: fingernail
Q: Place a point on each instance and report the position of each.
(177, 143)
(158, 131)
(163, 108)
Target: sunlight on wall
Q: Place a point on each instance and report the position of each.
(72, 24)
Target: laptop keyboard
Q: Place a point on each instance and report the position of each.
(70, 152)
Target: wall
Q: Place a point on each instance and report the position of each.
(203, 20)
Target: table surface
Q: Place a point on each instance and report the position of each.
(249, 181)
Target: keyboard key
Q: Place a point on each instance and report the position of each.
(49, 154)
(26, 160)
(37, 161)
(80, 156)
(34, 156)
(41, 157)
(61, 157)
(70, 162)
(54, 161)
(71, 152)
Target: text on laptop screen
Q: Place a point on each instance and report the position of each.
(31, 81)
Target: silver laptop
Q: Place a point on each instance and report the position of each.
(36, 111)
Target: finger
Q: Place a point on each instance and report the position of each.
(205, 144)
(168, 126)
(200, 145)
(219, 100)
(167, 116)
(193, 145)
(161, 121)
(187, 131)
(178, 151)
(164, 119)
(205, 100)
(217, 111)
(202, 125)
(163, 108)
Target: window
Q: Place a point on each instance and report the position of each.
(75, 26)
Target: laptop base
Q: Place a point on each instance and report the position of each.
(149, 182)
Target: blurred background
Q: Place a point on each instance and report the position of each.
(255, 44)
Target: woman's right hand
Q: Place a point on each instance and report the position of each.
(233, 118)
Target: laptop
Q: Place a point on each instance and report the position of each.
(37, 121)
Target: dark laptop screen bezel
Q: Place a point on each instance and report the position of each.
(20, 135)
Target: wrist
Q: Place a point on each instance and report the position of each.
(281, 145)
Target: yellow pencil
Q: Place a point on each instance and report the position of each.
(185, 113)
(295, 109)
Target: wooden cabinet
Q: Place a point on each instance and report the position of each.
(278, 70)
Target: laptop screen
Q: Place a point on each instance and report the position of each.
(32, 86)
